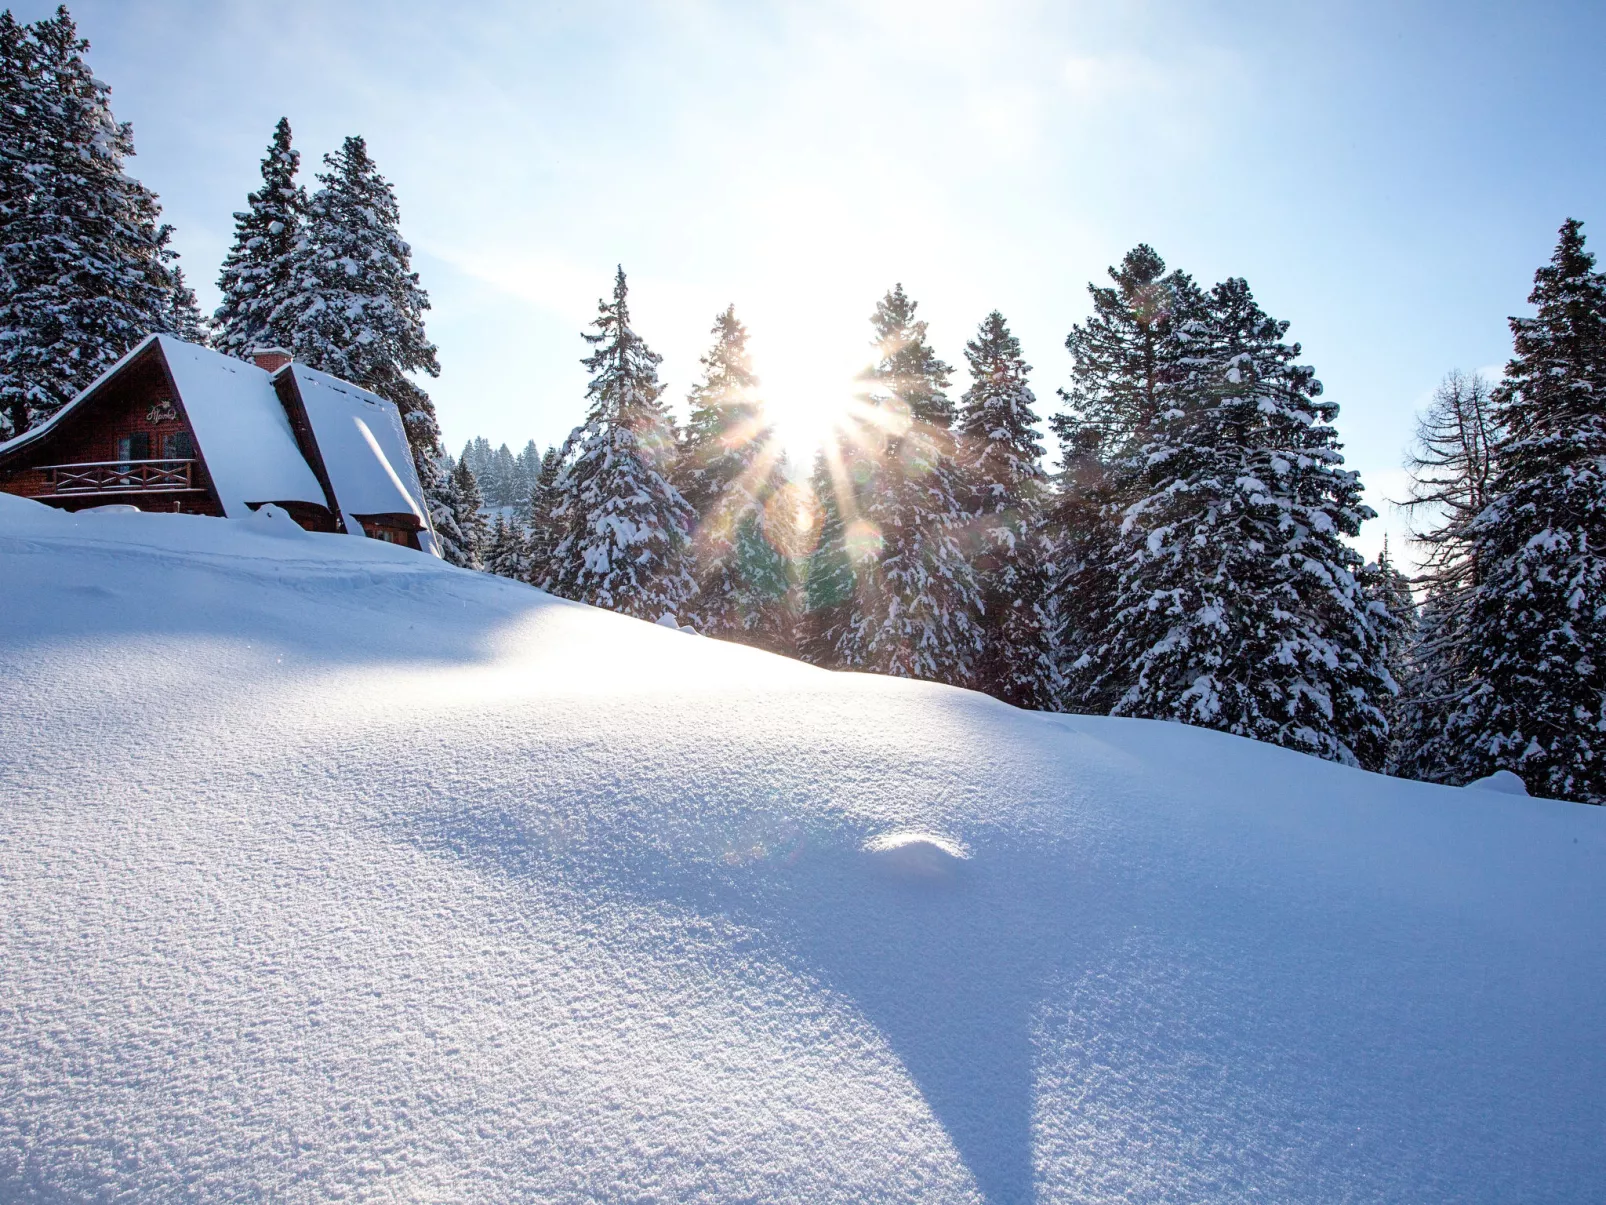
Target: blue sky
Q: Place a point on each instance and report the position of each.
(1387, 176)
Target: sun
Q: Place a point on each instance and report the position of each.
(809, 401)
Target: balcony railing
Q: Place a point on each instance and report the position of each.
(121, 477)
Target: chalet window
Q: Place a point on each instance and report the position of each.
(178, 446)
(388, 533)
(134, 447)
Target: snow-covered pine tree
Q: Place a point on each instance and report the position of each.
(468, 511)
(1128, 367)
(484, 465)
(1238, 605)
(527, 473)
(445, 503)
(916, 606)
(725, 432)
(258, 274)
(181, 317)
(495, 542)
(1534, 642)
(507, 552)
(357, 310)
(622, 527)
(1000, 452)
(1396, 621)
(16, 85)
(81, 250)
(728, 470)
(831, 572)
(477, 452)
(543, 508)
(504, 479)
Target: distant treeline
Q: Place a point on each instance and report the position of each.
(504, 480)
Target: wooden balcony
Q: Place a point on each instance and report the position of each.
(118, 477)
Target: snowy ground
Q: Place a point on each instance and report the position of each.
(331, 872)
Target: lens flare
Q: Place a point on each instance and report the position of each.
(863, 540)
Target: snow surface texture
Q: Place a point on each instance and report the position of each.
(333, 872)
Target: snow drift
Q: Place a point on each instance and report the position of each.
(331, 871)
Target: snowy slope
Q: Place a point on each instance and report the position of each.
(331, 871)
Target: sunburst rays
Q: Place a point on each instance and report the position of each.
(859, 435)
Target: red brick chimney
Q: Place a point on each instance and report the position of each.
(270, 358)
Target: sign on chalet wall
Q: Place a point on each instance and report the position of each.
(176, 427)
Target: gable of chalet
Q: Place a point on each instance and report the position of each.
(127, 433)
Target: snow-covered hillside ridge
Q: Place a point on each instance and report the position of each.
(331, 871)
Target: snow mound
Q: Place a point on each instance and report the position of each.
(272, 520)
(1503, 781)
(914, 855)
(333, 872)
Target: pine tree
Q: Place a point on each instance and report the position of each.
(1396, 624)
(838, 557)
(508, 550)
(622, 526)
(17, 88)
(82, 254)
(1534, 641)
(1236, 603)
(915, 607)
(445, 504)
(468, 511)
(527, 466)
(181, 316)
(357, 309)
(1433, 682)
(1396, 621)
(728, 471)
(477, 452)
(258, 275)
(544, 502)
(507, 478)
(1001, 455)
(1393, 603)
(1129, 367)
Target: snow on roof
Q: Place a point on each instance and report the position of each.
(363, 444)
(241, 428)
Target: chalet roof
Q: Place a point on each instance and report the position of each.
(241, 428)
(363, 444)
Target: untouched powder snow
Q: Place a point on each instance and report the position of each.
(330, 871)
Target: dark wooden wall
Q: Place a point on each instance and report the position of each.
(139, 400)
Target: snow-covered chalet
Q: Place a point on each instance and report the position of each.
(176, 427)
